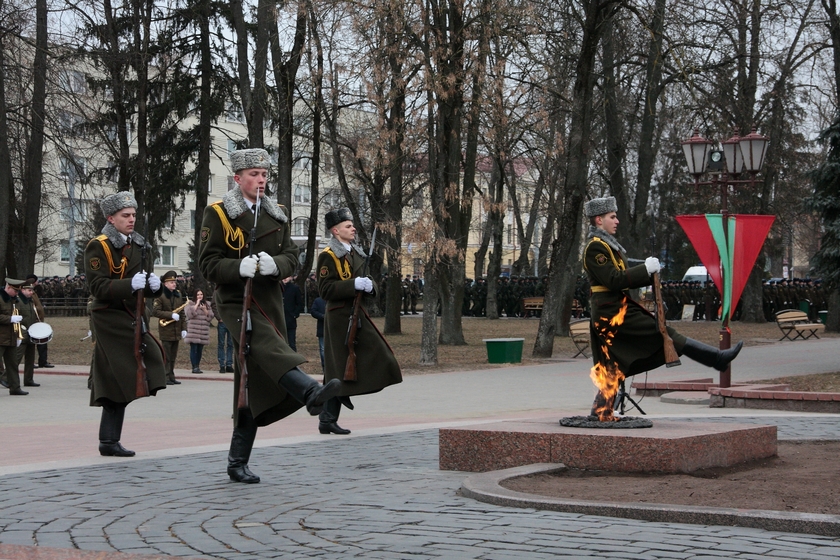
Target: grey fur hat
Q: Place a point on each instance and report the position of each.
(335, 217)
(600, 206)
(113, 203)
(252, 158)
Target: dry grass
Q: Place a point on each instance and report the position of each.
(66, 348)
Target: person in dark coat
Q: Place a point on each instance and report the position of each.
(635, 344)
(11, 335)
(292, 307)
(340, 268)
(172, 321)
(319, 311)
(115, 272)
(32, 311)
(276, 386)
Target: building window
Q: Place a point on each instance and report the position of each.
(73, 167)
(234, 113)
(167, 256)
(73, 82)
(74, 208)
(303, 194)
(300, 227)
(210, 184)
(64, 251)
(332, 198)
(302, 160)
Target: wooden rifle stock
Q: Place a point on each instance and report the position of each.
(671, 357)
(142, 387)
(245, 347)
(352, 329)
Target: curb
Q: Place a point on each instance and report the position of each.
(486, 487)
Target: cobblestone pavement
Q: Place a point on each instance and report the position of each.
(372, 497)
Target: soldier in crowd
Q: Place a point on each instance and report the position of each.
(311, 290)
(465, 304)
(11, 333)
(413, 294)
(224, 349)
(172, 322)
(276, 387)
(340, 278)
(406, 294)
(115, 273)
(479, 296)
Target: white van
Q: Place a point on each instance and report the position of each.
(696, 274)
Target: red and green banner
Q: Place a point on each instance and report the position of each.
(728, 254)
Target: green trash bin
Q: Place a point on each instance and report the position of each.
(823, 316)
(504, 350)
(805, 306)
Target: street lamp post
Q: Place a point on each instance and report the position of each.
(738, 154)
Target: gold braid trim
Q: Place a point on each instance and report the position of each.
(618, 263)
(123, 261)
(344, 272)
(232, 235)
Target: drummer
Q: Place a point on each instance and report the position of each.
(32, 312)
(10, 338)
(38, 290)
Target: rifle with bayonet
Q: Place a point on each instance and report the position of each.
(246, 326)
(142, 382)
(356, 320)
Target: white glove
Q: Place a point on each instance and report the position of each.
(652, 265)
(267, 265)
(176, 317)
(183, 334)
(19, 341)
(248, 267)
(363, 284)
(154, 281)
(16, 318)
(138, 281)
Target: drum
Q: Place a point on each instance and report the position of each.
(40, 333)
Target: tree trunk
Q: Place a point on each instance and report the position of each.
(205, 130)
(565, 263)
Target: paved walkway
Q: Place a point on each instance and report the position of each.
(375, 494)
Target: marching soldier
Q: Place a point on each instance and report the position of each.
(114, 271)
(635, 345)
(340, 269)
(275, 386)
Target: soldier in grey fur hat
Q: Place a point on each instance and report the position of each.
(115, 272)
(276, 386)
(634, 345)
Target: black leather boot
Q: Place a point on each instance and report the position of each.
(328, 419)
(710, 356)
(241, 444)
(308, 391)
(110, 429)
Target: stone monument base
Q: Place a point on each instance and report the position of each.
(669, 446)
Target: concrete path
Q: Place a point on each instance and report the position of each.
(375, 494)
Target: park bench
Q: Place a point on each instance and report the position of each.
(579, 333)
(796, 322)
(532, 306)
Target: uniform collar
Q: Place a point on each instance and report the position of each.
(236, 205)
(118, 240)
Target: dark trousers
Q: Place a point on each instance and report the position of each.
(26, 352)
(196, 350)
(11, 364)
(42, 355)
(170, 350)
(225, 351)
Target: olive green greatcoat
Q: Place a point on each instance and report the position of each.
(113, 366)
(636, 344)
(164, 306)
(219, 256)
(376, 365)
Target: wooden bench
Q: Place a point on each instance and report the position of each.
(532, 306)
(793, 321)
(579, 333)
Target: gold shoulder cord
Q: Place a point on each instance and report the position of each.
(232, 235)
(618, 264)
(123, 261)
(343, 271)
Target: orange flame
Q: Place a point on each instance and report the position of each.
(606, 376)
